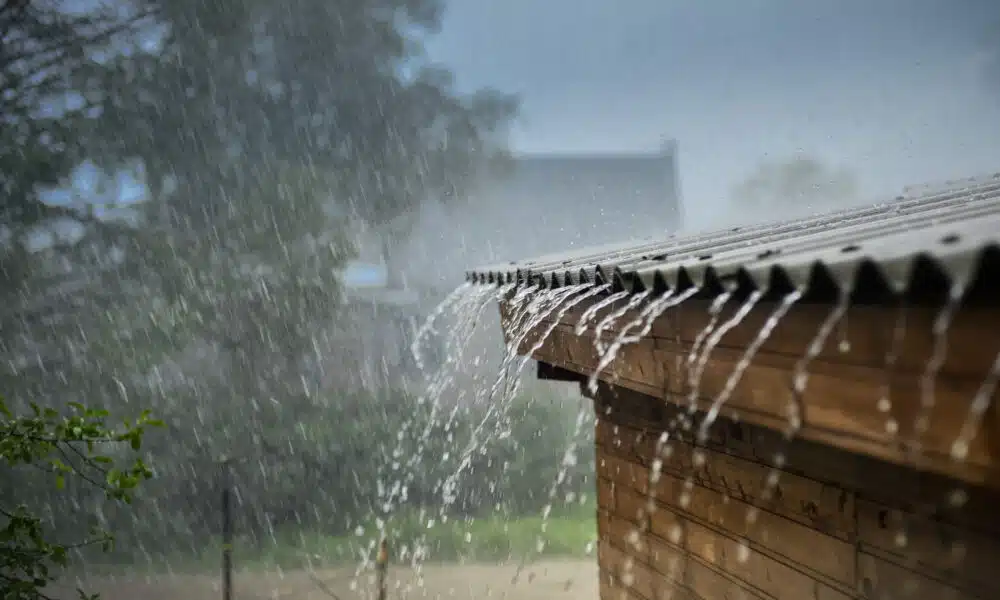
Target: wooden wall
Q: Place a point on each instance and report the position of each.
(837, 525)
(846, 381)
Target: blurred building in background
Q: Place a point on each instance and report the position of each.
(543, 203)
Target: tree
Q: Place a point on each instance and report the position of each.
(263, 129)
(799, 183)
(44, 111)
(42, 51)
(77, 451)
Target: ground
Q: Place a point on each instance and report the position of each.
(552, 580)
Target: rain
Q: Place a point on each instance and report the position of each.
(498, 299)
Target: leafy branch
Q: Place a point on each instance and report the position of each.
(78, 446)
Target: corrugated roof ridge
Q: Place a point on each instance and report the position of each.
(892, 235)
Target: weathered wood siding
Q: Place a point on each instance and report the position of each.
(866, 387)
(835, 526)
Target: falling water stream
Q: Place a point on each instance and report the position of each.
(645, 321)
(748, 355)
(712, 341)
(979, 406)
(588, 315)
(613, 317)
(796, 406)
(535, 311)
(939, 353)
(884, 405)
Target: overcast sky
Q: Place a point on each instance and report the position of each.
(895, 89)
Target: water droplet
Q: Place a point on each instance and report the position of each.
(634, 539)
(884, 404)
(742, 553)
(675, 533)
(959, 450)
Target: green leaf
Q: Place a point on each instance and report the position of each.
(60, 481)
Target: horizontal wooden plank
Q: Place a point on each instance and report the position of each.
(822, 506)
(757, 570)
(841, 410)
(883, 580)
(605, 494)
(865, 336)
(950, 553)
(669, 560)
(627, 570)
(622, 471)
(708, 583)
(780, 537)
(918, 492)
(737, 558)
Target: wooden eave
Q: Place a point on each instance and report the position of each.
(846, 381)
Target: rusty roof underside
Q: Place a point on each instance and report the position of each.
(930, 246)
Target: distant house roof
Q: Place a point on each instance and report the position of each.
(946, 238)
(582, 198)
(550, 202)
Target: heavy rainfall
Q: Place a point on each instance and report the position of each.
(239, 356)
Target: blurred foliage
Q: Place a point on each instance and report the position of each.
(326, 479)
(799, 183)
(265, 133)
(77, 455)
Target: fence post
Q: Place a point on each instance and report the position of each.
(382, 569)
(227, 533)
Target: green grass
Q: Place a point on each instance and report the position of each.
(571, 532)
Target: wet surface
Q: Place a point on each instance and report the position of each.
(554, 580)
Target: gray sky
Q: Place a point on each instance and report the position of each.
(895, 89)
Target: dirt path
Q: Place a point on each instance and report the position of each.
(555, 580)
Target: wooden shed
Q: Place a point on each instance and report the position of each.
(799, 411)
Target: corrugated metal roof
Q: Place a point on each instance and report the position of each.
(939, 240)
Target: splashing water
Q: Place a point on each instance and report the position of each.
(800, 373)
(544, 305)
(939, 353)
(591, 312)
(555, 322)
(609, 321)
(748, 355)
(469, 307)
(646, 318)
(800, 379)
(715, 313)
(977, 409)
(884, 405)
(713, 341)
(428, 326)
(569, 460)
